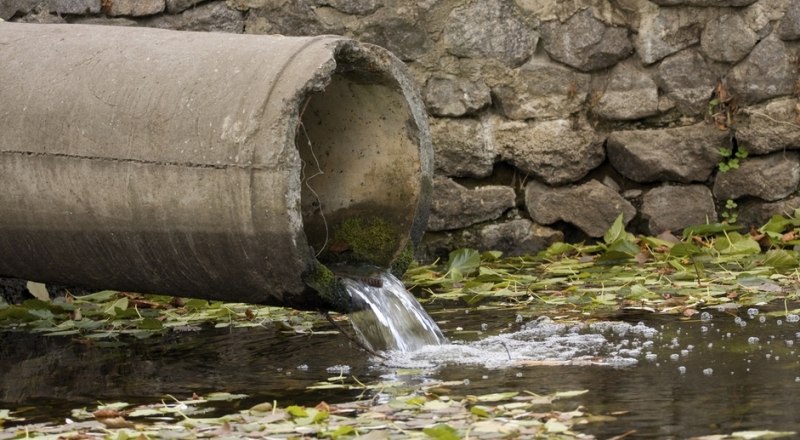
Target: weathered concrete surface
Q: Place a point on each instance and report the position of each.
(154, 167)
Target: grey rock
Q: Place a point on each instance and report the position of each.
(135, 8)
(630, 94)
(773, 126)
(208, 17)
(174, 6)
(516, 237)
(688, 81)
(671, 208)
(553, 151)
(727, 38)
(74, 6)
(592, 207)
(756, 213)
(399, 32)
(789, 26)
(717, 3)
(683, 154)
(454, 206)
(9, 8)
(770, 178)
(356, 7)
(39, 16)
(453, 96)
(542, 89)
(586, 43)
(489, 28)
(664, 31)
(104, 21)
(291, 17)
(766, 73)
(461, 148)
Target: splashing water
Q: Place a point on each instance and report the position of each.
(391, 318)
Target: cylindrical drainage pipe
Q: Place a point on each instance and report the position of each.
(208, 165)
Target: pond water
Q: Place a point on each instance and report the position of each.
(665, 377)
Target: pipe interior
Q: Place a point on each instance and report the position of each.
(360, 159)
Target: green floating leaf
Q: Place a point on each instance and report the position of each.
(296, 411)
(708, 229)
(116, 306)
(150, 324)
(341, 431)
(497, 397)
(479, 411)
(442, 432)
(616, 231)
(461, 263)
(780, 259)
(736, 243)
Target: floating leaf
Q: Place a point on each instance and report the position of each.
(442, 432)
(462, 263)
(780, 259)
(497, 397)
(296, 411)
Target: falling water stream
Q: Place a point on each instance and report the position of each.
(390, 318)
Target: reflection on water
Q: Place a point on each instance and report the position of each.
(690, 377)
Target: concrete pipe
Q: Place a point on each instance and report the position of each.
(219, 166)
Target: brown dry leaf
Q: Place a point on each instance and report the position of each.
(323, 406)
(689, 312)
(789, 236)
(116, 423)
(248, 313)
(106, 413)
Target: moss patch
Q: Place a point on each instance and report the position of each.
(364, 240)
(329, 287)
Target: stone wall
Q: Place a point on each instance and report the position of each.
(552, 117)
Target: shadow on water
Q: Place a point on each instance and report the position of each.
(694, 377)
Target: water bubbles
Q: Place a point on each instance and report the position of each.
(674, 356)
(704, 329)
(708, 371)
(339, 369)
(762, 319)
(518, 319)
(485, 376)
(792, 318)
(789, 342)
(650, 356)
(752, 312)
(466, 381)
(684, 353)
(779, 322)
(484, 326)
(705, 316)
(737, 320)
(752, 340)
(518, 375)
(682, 369)
(302, 367)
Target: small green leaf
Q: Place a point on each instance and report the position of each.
(115, 307)
(462, 262)
(342, 431)
(736, 243)
(442, 432)
(616, 231)
(780, 259)
(479, 411)
(296, 411)
(150, 324)
(497, 397)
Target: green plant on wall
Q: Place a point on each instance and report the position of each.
(730, 214)
(730, 158)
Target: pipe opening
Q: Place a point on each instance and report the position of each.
(361, 169)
